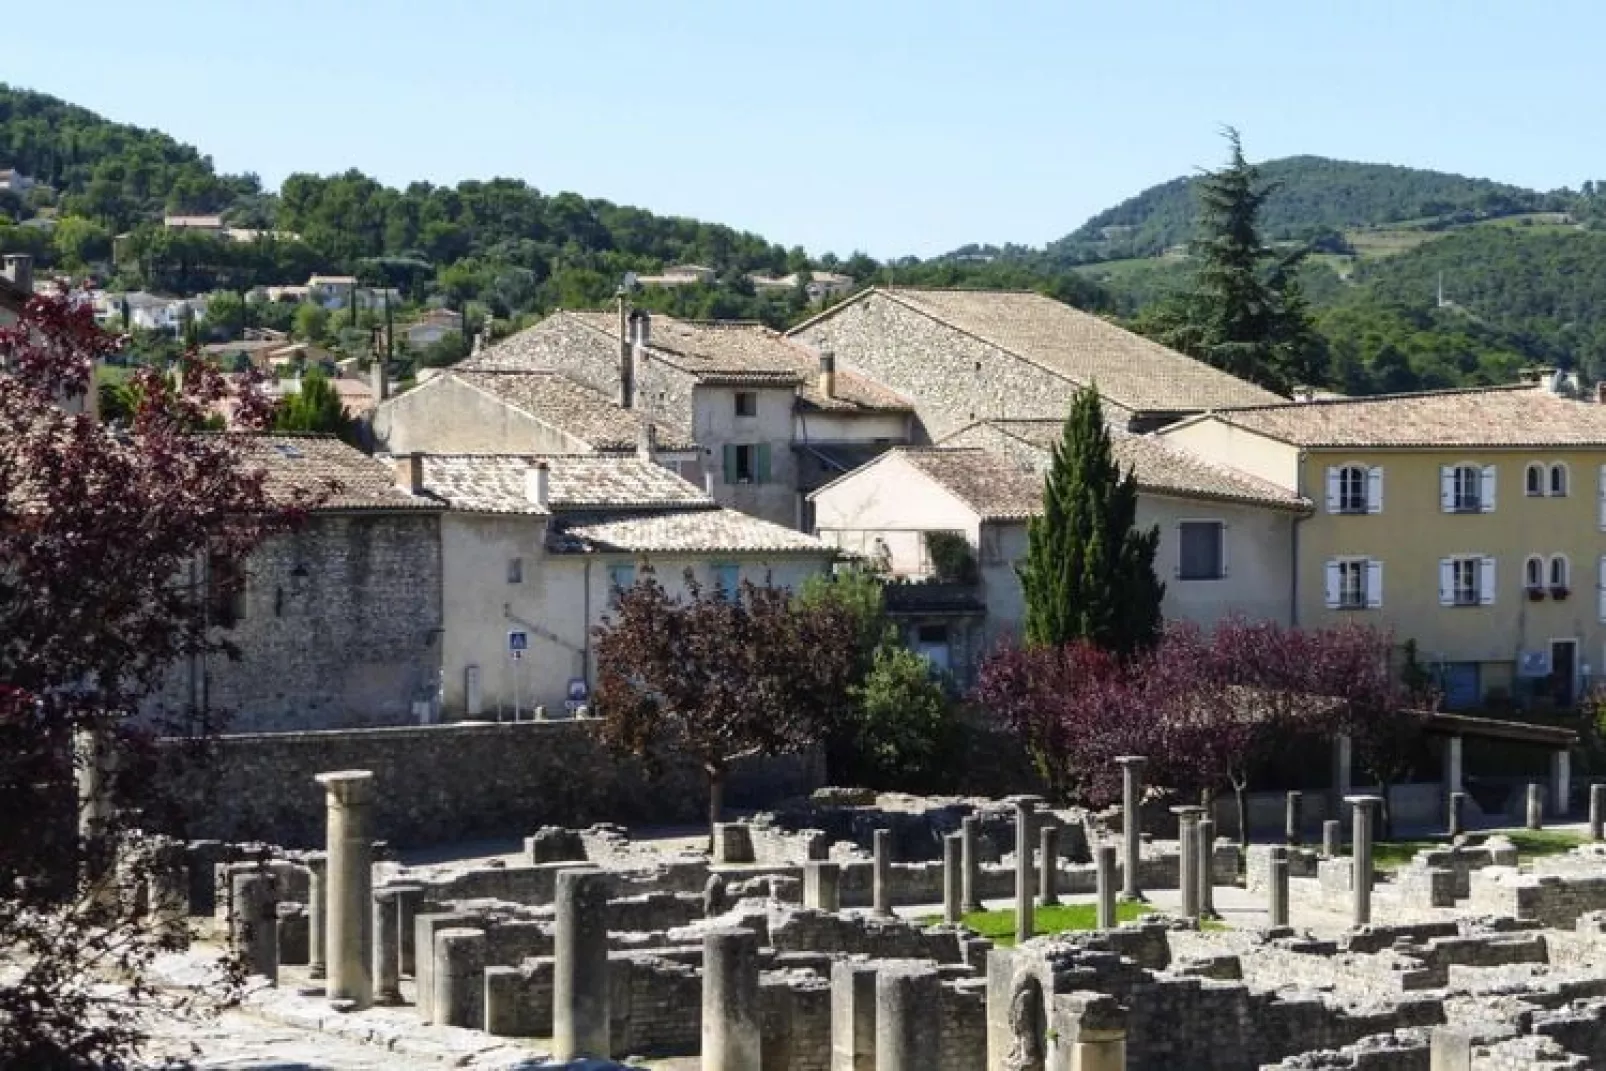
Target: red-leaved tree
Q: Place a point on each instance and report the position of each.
(99, 525)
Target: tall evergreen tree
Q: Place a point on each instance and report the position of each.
(1246, 312)
(1089, 573)
(315, 407)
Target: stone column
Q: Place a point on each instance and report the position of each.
(1101, 1026)
(882, 891)
(1207, 872)
(408, 900)
(387, 946)
(906, 996)
(1278, 909)
(1131, 816)
(1361, 847)
(731, 1015)
(1561, 783)
(1332, 838)
(1536, 806)
(254, 923)
(1343, 774)
(1294, 818)
(822, 885)
(349, 926)
(1188, 857)
(1458, 810)
(168, 891)
(969, 832)
(1597, 810)
(953, 885)
(1454, 771)
(1024, 921)
(580, 985)
(94, 765)
(317, 864)
(459, 977)
(853, 1015)
(1104, 863)
(1450, 1048)
(1048, 865)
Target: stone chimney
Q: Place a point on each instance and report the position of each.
(410, 473)
(647, 441)
(19, 269)
(827, 374)
(380, 385)
(538, 484)
(1302, 393)
(708, 482)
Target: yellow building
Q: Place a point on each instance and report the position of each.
(1473, 522)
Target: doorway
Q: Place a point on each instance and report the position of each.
(1563, 672)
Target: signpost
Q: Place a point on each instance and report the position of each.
(518, 641)
(578, 696)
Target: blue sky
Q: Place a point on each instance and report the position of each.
(889, 126)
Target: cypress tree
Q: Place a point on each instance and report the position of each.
(1089, 573)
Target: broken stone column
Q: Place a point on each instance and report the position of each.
(1207, 875)
(580, 984)
(1458, 811)
(1277, 911)
(1332, 838)
(1024, 927)
(853, 1015)
(1597, 810)
(1132, 818)
(349, 925)
(1100, 1039)
(953, 884)
(731, 1015)
(254, 923)
(1188, 857)
(1104, 871)
(1536, 806)
(969, 831)
(1048, 868)
(94, 766)
(1294, 818)
(317, 864)
(1561, 783)
(882, 892)
(168, 891)
(906, 994)
(1361, 847)
(822, 885)
(1450, 1048)
(459, 977)
(408, 900)
(387, 946)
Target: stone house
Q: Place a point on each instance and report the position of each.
(338, 623)
(534, 547)
(966, 355)
(771, 418)
(1470, 521)
(16, 286)
(951, 520)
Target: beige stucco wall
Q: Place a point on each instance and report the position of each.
(560, 598)
(892, 500)
(1412, 534)
(1242, 450)
(447, 416)
(857, 428)
(716, 424)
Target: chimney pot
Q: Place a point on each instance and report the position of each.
(410, 473)
(647, 441)
(708, 482)
(827, 374)
(380, 382)
(538, 484)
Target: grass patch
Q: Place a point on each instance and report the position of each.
(1000, 925)
(1531, 844)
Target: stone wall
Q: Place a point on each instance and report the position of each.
(462, 781)
(1551, 899)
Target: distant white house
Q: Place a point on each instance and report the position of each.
(14, 181)
(821, 285)
(435, 325)
(148, 312)
(680, 275)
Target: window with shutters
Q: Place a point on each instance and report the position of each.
(1558, 480)
(1464, 581)
(1533, 574)
(747, 463)
(1352, 584)
(1534, 480)
(727, 579)
(1201, 547)
(1468, 489)
(1352, 489)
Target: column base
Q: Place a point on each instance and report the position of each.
(1048, 901)
(972, 909)
(318, 970)
(388, 1000)
(1131, 898)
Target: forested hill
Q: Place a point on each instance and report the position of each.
(1313, 194)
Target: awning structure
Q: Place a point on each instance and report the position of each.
(1522, 732)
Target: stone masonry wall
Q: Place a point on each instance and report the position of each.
(461, 781)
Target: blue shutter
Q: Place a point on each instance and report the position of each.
(761, 463)
(730, 463)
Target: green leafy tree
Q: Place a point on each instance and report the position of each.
(908, 727)
(316, 408)
(311, 322)
(80, 242)
(225, 316)
(1089, 573)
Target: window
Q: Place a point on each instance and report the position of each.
(1466, 580)
(1533, 573)
(747, 463)
(620, 579)
(1560, 574)
(1202, 549)
(1467, 488)
(225, 590)
(1354, 584)
(515, 570)
(1534, 480)
(1558, 480)
(746, 403)
(727, 578)
(1354, 489)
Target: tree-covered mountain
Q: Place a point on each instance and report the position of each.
(1312, 195)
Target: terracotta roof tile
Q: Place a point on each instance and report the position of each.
(317, 463)
(991, 484)
(665, 531)
(495, 483)
(586, 414)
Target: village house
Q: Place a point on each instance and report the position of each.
(14, 181)
(16, 286)
(1468, 521)
(966, 355)
(680, 275)
(212, 225)
(535, 548)
(338, 623)
(821, 285)
(433, 326)
(952, 520)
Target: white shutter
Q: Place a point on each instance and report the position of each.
(1374, 584)
(1602, 518)
(1447, 488)
(1334, 504)
(1446, 581)
(1486, 489)
(1374, 490)
(1224, 532)
(1486, 581)
(1600, 589)
(1334, 595)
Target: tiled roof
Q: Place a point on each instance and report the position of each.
(705, 530)
(992, 485)
(1162, 467)
(1130, 370)
(322, 463)
(588, 415)
(496, 483)
(1483, 417)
